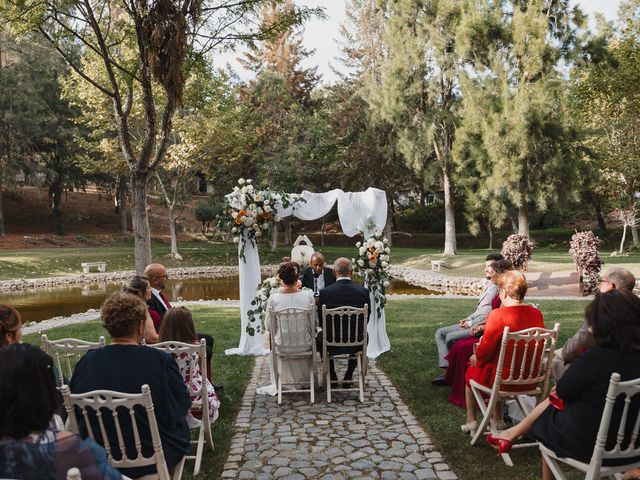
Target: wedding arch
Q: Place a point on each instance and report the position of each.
(358, 212)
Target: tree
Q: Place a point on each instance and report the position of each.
(418, 94)
(160, 34)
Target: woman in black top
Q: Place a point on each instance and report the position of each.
(571, 430)
(125, 366)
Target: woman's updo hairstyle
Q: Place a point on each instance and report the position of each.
(137, 285)
(10, 323)
(288, 273)
(514, 283)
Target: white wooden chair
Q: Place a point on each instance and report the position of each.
(345, 327)
(194, 352)
(293, 334)
(95, 406)
(532, 349)
(624, 449)
(66, 353)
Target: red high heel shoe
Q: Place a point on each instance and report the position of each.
(504, 445)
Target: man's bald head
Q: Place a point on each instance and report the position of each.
(317, 262)
(343, 267)
(617, 278)
(157, 274)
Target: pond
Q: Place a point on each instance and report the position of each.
(44, 304)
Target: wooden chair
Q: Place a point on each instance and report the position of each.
(293, 334)
(119, 407)
(624, 450)
(532, 350)
(345, 327)
(66, 353)
(194, 352)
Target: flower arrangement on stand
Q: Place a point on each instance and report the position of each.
(372, 263)
(585, 250)
(256, 315)
(252, 212)
(518, 250)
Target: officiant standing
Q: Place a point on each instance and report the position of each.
(316, 276)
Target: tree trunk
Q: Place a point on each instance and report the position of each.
(55, 195)
(122, 203)
(274, 236)
(523, 208)
(140, 220)
(1, 205)
(601, 223)
(286, 227)
(450, 247)
(174, 238)
(387, 233)
(634, 235)
(322, 233)
(490, 236)
(624, 236)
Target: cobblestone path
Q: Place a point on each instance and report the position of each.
(346, 439)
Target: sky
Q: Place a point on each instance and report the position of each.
(322, 36)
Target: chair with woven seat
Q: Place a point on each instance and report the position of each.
(529, 371)
(100, 409)
(196, 359)
(293, 334)
(345, 334)
(625, 452)
(66, 352)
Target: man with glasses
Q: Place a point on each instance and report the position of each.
(613, 279)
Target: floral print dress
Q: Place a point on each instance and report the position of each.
(193, 380)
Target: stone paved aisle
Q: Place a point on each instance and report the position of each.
(379, 439)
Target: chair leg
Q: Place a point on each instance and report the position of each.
(312, 383)
(554, 467)
(327, 382)
(208, 437)
(177, 472)
(279, 377)
(360, 377)
(199, 449)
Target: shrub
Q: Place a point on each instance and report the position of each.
(518, 249)
(585, 250)
(206, 212)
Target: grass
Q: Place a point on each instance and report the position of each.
(231, 371)
(410, 365)
(413, 362)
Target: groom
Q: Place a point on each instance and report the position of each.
(342, 293)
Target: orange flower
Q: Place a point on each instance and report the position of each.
(372, 258)
(242, 212)
(238, 221)
(372, 249)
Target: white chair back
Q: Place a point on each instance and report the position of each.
(124, 411)
(66, 353)
(292, 327)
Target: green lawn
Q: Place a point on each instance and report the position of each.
(413, 362)
(231, 371)
(411, 365)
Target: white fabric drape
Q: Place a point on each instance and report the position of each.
(249, 273)
(358, 212)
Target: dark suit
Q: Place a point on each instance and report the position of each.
(342, 293)
(306, 277)
(157, 309)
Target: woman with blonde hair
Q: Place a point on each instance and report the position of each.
(513, 314)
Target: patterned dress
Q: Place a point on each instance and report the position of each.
(194, 383)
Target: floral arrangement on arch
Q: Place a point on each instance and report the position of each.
(518, 250)
(252, 212)
(372, 263)
(584, 247)
(256, 315)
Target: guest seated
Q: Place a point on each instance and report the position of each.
(447, 336)
(316, 276)
(31, 448)
(570, 427)
(294, 370)
(178, 326)
(513, 314)
(342, 293)
(10, 326)
(139, 285)
(125, 366)
(615, 278)
(458, 356)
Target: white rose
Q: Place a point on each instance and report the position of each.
(384, 240)
(234, 215)
(265, 226)
(249, 180)
(259, 210)
(236, 239)
(266, 201)
(241, 181)
(243, 189)
(267, 208)
(258, 233)
(273, 282)
(256, 226)
(234, 230)
(361, 262)
(385, 264)
(361, 250)
(377, 233)
(387, 250)
(249, 188)
(235, 189)
(276, 218)
(370, 271)
(243, 218)
(386, 283)
(358, 244)
(379, 246)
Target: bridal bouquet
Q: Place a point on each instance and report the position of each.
(256, 315)
(372, 263)
(252, 211)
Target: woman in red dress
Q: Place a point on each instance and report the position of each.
(458, 356)
(513, 314)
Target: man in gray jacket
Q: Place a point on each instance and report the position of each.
(615, 278)
(447, 336)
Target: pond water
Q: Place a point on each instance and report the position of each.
(44, 304)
